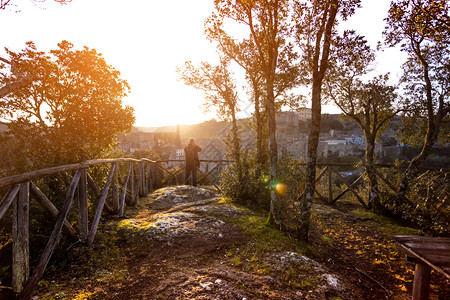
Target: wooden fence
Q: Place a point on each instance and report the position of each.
(329, 172)
(119, 190)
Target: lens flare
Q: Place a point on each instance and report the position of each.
(281, 188)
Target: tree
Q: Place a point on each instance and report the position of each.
(7, 3)
(72, 113)
(422, 29)
(21, 81)
(371, 105)
(245, 54)
(269, 25)
(220, 91)
(315, 31)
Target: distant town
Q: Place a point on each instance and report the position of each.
(341, 140)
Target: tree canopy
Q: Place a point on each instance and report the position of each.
(71, 112)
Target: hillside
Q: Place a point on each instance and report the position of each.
(207, 129)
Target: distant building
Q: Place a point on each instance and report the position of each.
(131, 141)
(303, 113)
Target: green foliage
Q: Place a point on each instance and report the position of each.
(427, 206)
(71, 112)
(422, 30)
(252, 190)
(288, 185)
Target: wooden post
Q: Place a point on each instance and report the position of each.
(20, 239)
(150, 177)
(134, 188)
(48, 251)
(115, 191)
(130, 191)
(330, 184)
(101, 204)
(124, 192)
(421, 286)
(147, 178)
(141, 180)
(83, 205)
(97, 192)
(155, 173)
(8, 199)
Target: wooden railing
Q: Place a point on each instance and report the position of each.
(120, 189)
(330, 170)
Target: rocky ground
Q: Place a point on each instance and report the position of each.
(188, 243)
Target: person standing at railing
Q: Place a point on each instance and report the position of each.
(192, 162)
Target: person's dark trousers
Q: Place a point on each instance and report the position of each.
(191, 171)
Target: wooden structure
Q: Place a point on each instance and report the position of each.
(329, 172)
(125, 181)
(428, 253)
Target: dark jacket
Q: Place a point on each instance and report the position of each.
(191, 154)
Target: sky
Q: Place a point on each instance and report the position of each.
(147, 40)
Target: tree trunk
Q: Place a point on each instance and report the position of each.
(273, 151)
(313, 142)
(236, 146)
(259, 135)
(320, 65)
(433, 128)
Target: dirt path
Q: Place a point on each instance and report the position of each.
(188, 243)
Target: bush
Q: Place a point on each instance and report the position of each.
(288, 185)
(427, 206)
(252, 190)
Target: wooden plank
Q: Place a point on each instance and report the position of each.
(347, 189)
(115, 191)
(101, 204)
(97, 192)
(209, 172)
(428, 246)
(8, 199)
(48, 251)
(391, 186)
(440, 259)
(211, 182)
(351, 189)
(424, 239)
(173, 175)
(65, 168)
(413, 253)
(83, 212)
(21, 239)
(321, 173)
(48, 206)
